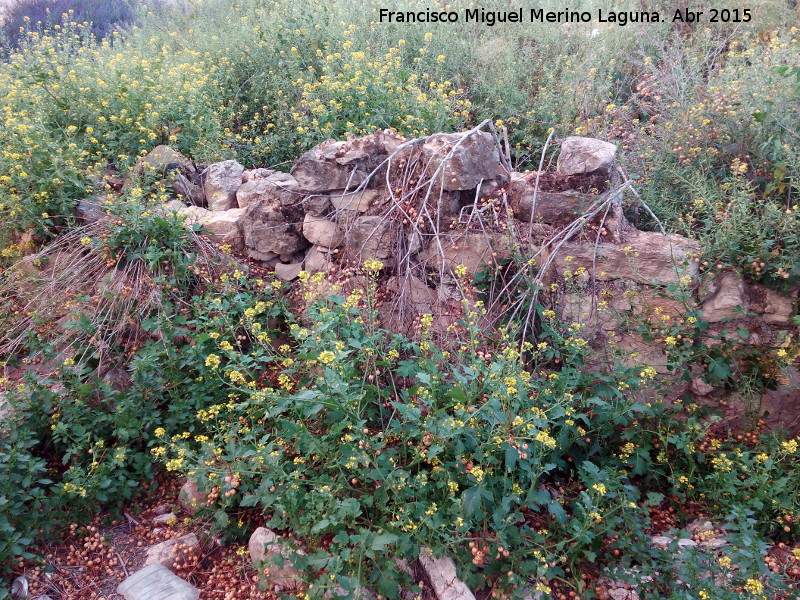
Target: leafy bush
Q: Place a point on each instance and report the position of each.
(369, 446)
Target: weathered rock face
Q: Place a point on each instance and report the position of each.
(222, 226)
(225, 226)
(319, 230)
(92, 210)
(725, 299)
(265, 232)
(552, 208)
(316, 260)
(373, 238)
(441, 573)
(776, 309)
(359, 202)
(342, 165)
(580, 155)
(222, 181)
(644, 257)
(267, 551)
(274, 212)
(473, 250)
(280, 188)
(467, 159)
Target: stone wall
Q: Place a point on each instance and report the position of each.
(425, 207)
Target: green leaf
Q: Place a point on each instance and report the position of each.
(472, 501)
(383, 540)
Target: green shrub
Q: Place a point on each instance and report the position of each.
(368, 446)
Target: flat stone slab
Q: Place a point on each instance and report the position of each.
(157, 583)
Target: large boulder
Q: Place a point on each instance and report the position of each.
(468, 159)
(222, 181)
(336, 165)
(581, 155)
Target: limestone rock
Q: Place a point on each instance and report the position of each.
(165, 519)
(92, 210)
(337, 165)
(473, 250)
(288, 271)
(190, 498)
(280, 188)
(441, 573)
(117, 378)
(184, 187)
(225, 226)
(222, 181)
(623, 594)
(581, 155)
(473, 159)
(157, 583)
(316, 261)
(373, 237)
(644, 257)
(552, 208)
(776, 309)
(266, 551)
(354, 201)
(260, 173)
(273, 209)
(783, 405)
(660, 541)
(5, 409)
(727, 299)
(167, 552)
(319, 230)
(196, 215)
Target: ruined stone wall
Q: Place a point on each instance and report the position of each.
(428, 208)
